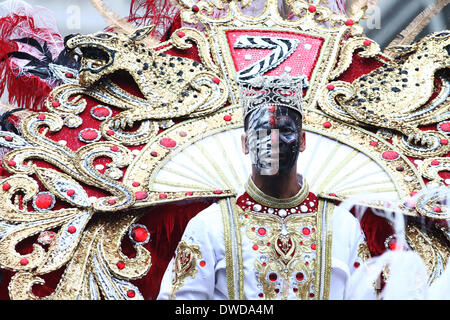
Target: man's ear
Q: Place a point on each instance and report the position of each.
(141, 33)
(303, 142)
(244, 143)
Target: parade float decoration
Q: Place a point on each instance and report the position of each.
(141, 134)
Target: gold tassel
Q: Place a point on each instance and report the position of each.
(409, 34)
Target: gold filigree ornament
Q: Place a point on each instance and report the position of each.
(185, 265)
(398, 95)
(172, 87)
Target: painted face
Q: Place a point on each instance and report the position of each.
(273, 137)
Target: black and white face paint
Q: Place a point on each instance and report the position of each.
(273, 137)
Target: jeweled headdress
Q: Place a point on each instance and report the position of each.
(267, 91)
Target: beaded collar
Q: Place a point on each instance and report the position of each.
(257, 201)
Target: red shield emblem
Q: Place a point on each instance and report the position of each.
(271, 53)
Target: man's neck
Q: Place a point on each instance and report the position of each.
(278, 186)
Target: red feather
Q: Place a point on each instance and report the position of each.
(26, 90)
(161, 13)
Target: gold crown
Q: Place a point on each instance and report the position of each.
(279, 91)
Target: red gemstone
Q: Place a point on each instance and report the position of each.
(114, 148)
(120, 265)
(154, 154)
(216, 80)
(312, 9)
(311, 295)
(437, 209)
(349, 22)
(445, 126)
(255, 247)
(227, 117)
(300, 276)
(260, 295)
(217, 191)
(262, 231)
(44, 201)
(435, 162)
(390, 155)
(56, 104)
(101, 112)
(332, 195)
(139, 234)
(112, 201)
(167, 142)
(327, 124)
(89, 135)
(72, 229)
(163, 196)
(140, 195)
(356, 264)
(11, 163)
(131, 294)
(41, 116)
(6, 187)
(373, 143)
(189, 193)
(202, 263)
(444, 142)
(313, 246)
(69, 75)
(195, 8)
(181, 34)
(70, 192)
(367, 42)
(273, 277)
(306, 231)
(8, 138)
(110, 133)
(136, 184)
(23, 261)
(330, 87)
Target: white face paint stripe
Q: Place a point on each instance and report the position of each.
(264, 150)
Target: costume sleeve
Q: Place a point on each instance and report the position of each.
(365, 287)
(350, 253)
(191, 272)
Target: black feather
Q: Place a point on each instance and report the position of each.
(5, 125)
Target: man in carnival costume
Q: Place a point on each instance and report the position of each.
(277, 240)
(166, 207)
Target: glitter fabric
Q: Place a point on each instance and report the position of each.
(301, 62)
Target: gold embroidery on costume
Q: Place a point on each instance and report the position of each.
(185, 265)
(290, 253)
(268, 201)
(233, 252)
(363, 251)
